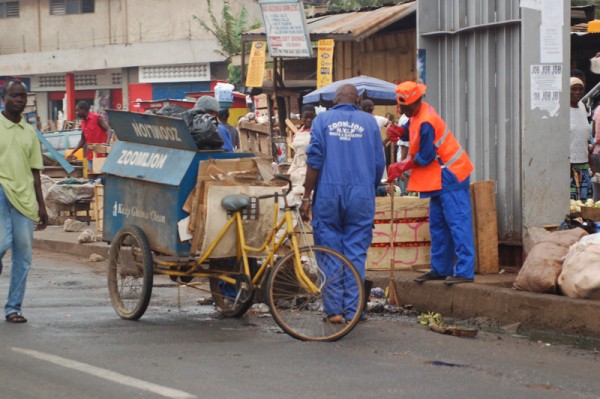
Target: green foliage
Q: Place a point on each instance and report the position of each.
(228, 31)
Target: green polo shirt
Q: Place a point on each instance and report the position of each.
(19, 153)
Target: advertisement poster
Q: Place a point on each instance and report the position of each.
(546, 86)
(325, 62)
(256, 65)
(285, 26)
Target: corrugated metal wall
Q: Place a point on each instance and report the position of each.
(473, 71)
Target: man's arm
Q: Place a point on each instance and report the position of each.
(309, 186)
(427, 150)
(39, 196)
(79, 145)
(104, 125)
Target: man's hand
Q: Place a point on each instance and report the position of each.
(394, 133)
(397, 169)
(305, 210)
(43, 214)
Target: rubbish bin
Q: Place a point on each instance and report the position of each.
(149, 174)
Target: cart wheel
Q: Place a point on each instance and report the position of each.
(234, 300)
(303, 314)
(130, 273)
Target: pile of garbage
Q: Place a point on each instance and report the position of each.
(65, 192)
(566, 262)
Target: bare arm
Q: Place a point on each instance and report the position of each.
(39, 196)
(79, 145)
(309, 186)
(104, 125)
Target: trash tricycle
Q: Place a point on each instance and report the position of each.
(152, 175)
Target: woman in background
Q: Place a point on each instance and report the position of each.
(579, 150)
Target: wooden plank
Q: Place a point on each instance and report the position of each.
(485, 229)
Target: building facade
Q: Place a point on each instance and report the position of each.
(117, 51)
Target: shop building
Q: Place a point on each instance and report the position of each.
(110, 52)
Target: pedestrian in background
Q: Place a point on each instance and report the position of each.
(21, 199)
(234, 134)
(210, 106)
(345, 163)
(579, 148)
(440, 170)
(94, 130)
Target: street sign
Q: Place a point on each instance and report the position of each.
(285, 26)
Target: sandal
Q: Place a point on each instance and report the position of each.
(15, 317)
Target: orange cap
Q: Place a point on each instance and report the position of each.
(409, 92)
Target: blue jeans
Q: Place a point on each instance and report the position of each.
(16, 234)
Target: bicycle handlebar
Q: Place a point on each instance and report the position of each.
(287, 179)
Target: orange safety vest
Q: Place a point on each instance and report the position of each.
(448, 150)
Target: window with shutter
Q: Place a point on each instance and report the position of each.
(87, 6)
(57, 7)
(9, 9)
(67, 7)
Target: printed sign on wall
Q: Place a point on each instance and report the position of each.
(256, 65)
(285, 26)
(325, 62)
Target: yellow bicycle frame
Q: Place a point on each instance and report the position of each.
(270, 245)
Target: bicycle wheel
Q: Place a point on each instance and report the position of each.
(233, 299)
(130, 273)
(305, 315)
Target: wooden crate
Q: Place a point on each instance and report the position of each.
(410, 232)
(590, 212)
(99, 206)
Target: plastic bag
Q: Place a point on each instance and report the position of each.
(204, 131)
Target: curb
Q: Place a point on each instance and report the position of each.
(505, 305)
(76, 249)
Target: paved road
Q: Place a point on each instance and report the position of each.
(74, 346)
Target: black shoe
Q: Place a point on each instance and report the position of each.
(429, 276)
(450, 280)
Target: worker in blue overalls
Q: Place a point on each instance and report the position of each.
(345, 163)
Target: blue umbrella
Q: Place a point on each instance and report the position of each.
(377, 90)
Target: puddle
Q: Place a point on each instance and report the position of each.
(572, 341)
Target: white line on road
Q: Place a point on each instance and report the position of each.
(107, 374)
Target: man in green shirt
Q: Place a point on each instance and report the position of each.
(21, 199)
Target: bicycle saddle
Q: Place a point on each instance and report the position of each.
(235, 202)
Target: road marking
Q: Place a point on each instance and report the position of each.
(107, 374)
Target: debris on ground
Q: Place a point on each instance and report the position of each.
(377, 304)
(73, 225)
(206, 301)
(260, 308)
(511, 328)
(87, 236)
(96, 258)
(435, 323)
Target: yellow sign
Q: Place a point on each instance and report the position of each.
(325, 62)
(256, 65)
